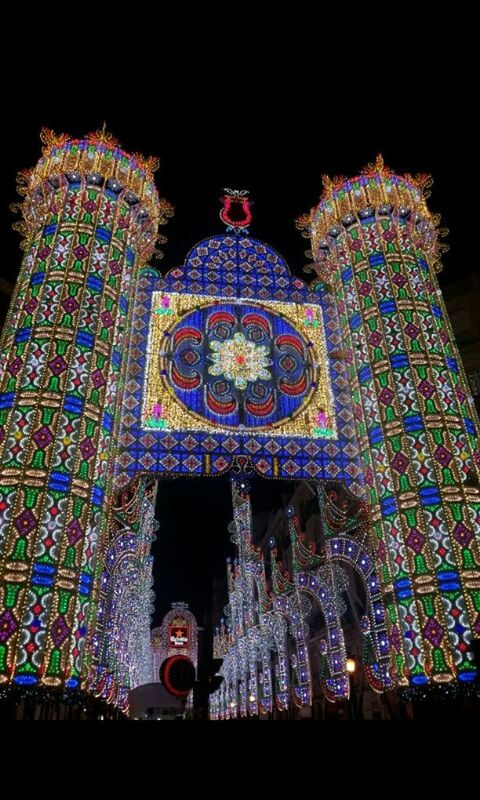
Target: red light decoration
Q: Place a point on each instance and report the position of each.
(177, 674)
(236, 209)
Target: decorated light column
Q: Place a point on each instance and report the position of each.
(90, 216)
(120, 656)
(376, 247)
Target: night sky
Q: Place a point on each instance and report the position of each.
(277, 148)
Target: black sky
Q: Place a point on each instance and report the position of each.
(276, 142)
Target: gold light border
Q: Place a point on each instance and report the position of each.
(178, 418)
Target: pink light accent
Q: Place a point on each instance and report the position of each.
(310, 314)
(157, 411)
(165, 302)
(322, 419)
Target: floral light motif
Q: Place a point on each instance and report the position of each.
(310, 317)
(323, 428)
(156, 420)
(165, 306)
(240, 361)
(322, 419)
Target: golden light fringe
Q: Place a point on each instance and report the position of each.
(179, 418)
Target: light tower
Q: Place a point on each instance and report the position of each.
(376, 247)
(90, 218)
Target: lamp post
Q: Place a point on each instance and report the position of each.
(351, 665)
